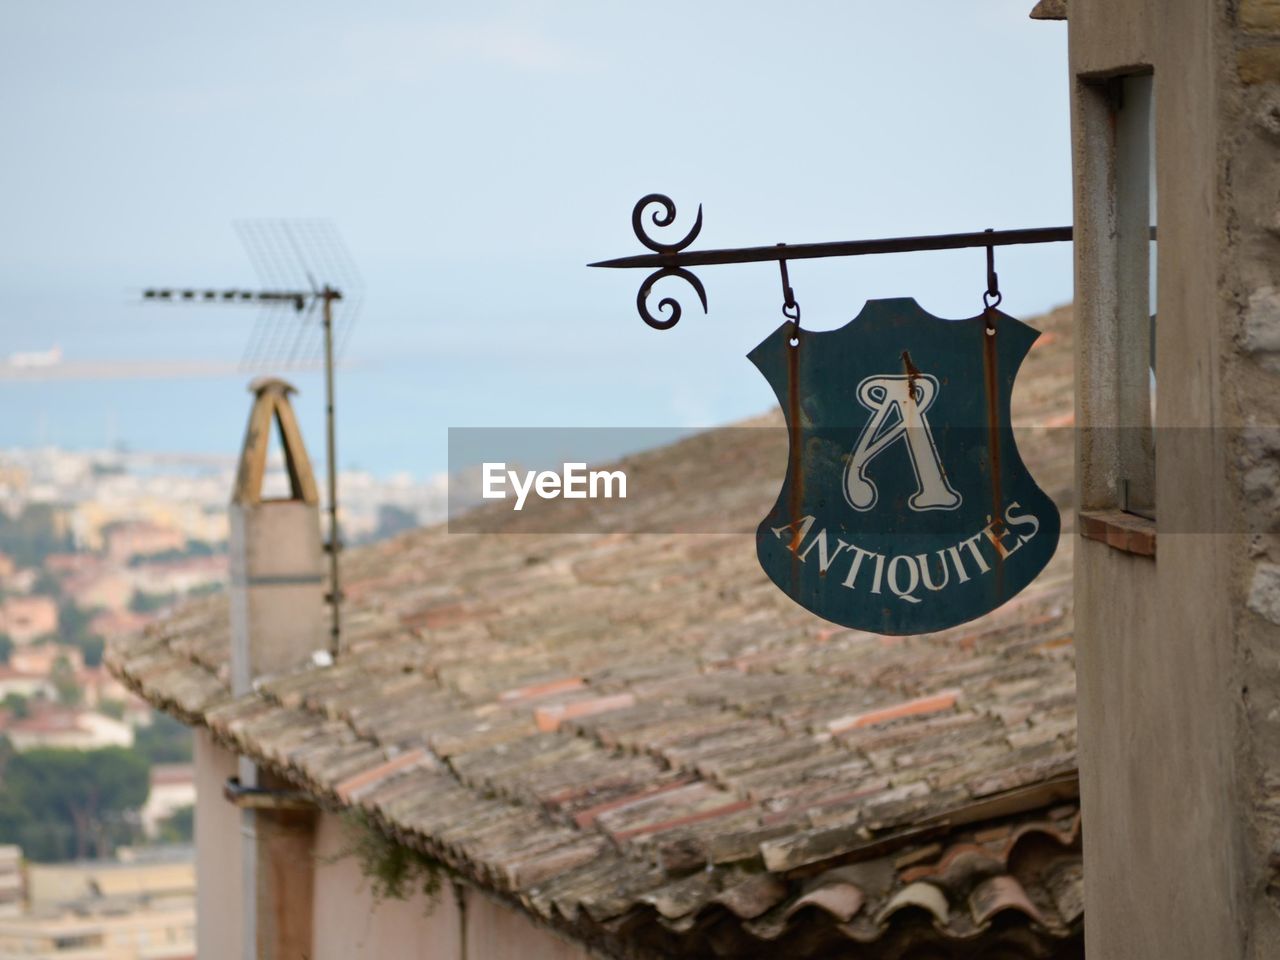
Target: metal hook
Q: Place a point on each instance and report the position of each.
(790, 309)
(992, 296)
(993, 279)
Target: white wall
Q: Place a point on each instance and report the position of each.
(218, 854)
(350, 925)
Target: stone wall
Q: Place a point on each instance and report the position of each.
(1178, 656)
(1251, 295)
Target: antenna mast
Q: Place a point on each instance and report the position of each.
(284, 254)
(328, 295)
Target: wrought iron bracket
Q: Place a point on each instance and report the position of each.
(262, 798)
(675, 259)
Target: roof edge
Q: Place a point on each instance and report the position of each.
(1050, 10)
(639, 931)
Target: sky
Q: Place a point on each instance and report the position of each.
(474, 158)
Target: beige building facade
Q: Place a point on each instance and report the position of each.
(348, 921)
(157, 879)
(143, 933)
(26, 619)
(1176, 125)
(173, 788)
(98, 909)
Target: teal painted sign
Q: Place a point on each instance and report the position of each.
(906, 507)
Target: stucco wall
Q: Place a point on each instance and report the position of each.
(458, 924)
(350, 925)
(1179, 681)
(219, 877)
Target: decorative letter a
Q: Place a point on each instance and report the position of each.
(909, 396)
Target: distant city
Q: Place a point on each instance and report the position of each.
(95, 545)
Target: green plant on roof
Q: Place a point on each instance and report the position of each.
(393, 870)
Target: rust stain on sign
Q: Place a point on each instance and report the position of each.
(991, 393)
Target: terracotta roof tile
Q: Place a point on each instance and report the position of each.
(917, 896)
(840, 900)
(549, 717)
(368, 779)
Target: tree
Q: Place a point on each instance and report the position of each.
(43, 839)
(73, 622)
(194, 548)
(164, 741)
(6, 647)
(164, 556)
(47, 585)
(60, 804)
(16, 704)
(151, 602)
(34, 534)
(6, 754)
(63, 678)
(91, 647)
(178, 827)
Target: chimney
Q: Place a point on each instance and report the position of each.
(278, 624)
(277, 556)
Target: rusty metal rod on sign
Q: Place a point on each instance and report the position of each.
(673, 259)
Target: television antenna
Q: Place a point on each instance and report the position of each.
(289, 257)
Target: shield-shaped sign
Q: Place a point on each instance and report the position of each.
(906, 507)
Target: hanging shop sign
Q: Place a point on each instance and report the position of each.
(905, 507)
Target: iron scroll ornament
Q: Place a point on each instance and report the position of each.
(675, 259)
(664, 217)
(906, 507)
